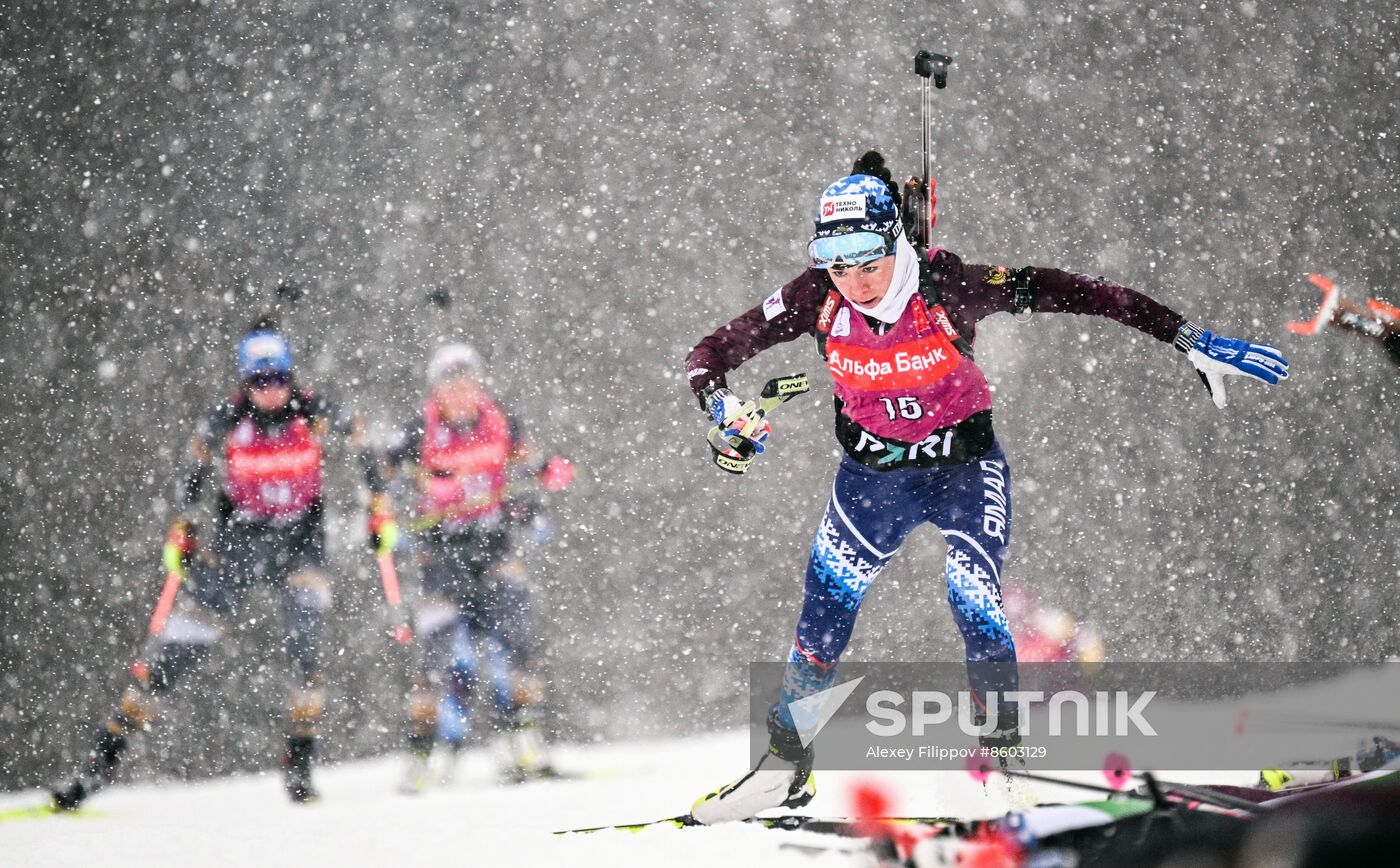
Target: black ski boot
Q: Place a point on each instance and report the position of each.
(296, 768)
(1004, 741)
(97, 772)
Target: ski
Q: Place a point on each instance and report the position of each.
(43, 812)
(844, 826)
(513, 777)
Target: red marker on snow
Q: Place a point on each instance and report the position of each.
(979, 769)
(873, 807)
(1117, 771)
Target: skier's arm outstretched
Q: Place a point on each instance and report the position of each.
(980, 290)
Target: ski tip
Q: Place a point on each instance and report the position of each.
(679, 822)
(45, 811)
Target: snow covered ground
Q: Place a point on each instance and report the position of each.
(362, 820)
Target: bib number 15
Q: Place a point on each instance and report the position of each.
(907, 407)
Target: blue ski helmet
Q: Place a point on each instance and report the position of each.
(264, 352)
(857, 221)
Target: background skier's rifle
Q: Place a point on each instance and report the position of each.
(1376, 319)
(917, 211)
(778, 390)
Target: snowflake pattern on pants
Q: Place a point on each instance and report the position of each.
(803, 676)
(976, 597)
(842, 568)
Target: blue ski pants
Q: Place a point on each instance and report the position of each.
(870, 514)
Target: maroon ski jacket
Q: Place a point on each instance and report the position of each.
(968, 292)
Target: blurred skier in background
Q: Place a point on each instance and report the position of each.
(265, 444)
(463, 450)
(1049, 634)
(896, 326)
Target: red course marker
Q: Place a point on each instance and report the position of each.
(979, 768)
(1117, 771)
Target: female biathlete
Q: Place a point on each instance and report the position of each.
(896, 326)
(264, 446)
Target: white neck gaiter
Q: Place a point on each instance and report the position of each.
(903, 284)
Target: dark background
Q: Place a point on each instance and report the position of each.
(601, 184)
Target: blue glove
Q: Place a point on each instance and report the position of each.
(1216, 358)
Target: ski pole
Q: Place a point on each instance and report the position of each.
(165, 603)
(1331, 297)
(389, 578)
(1200, 794)
(1376, 320)
(778, 390)
(178, 545)
(384, 537)
(141, 667)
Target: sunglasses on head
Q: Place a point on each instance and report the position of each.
(269, 379)
(849, 249)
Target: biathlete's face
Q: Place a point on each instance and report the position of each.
(866, 284)
(457, 398)
(269, 392)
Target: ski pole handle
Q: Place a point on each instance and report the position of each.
(778, 390)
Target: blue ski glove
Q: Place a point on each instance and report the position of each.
(1215, 358)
